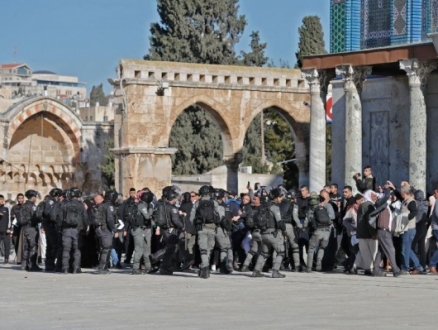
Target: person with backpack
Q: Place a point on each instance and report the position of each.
(29, 224)
(206, 215)
(49, 227)
(140, 222)
(167, 218)
(223, 235)
(268, 219)
(320, 220)
(105, 223)
(256, 237)
(74, 219)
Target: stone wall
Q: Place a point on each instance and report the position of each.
(233, 95)
(385, 129)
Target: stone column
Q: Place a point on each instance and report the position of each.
(353, 81)
(417, 74)
(317, 159)
(144, 167)
(232, 163)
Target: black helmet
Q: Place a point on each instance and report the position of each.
(75, 192)
(147, 197)
(276, 192)
(66, 193)
(220, 193)
(55, 192)
(264, 199)
(291, 194)
(170, 195)
(204, 190)
(31, 193)
(111, 195)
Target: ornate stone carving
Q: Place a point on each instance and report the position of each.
(353, 77)
(313, 79)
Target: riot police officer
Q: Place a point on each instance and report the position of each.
(289, 213)
(141, 232)
(29, 225)
(256, 237)
(272, 226)
(49, 226)
(105, 222)
(74, 219)
(169, 222)
(223, 235)
(320, 221)
(206, 215)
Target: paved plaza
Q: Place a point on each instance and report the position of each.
(183, 301)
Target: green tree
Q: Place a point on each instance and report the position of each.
(311, 40)
(197, 137)
(196, 31)
(257, 55)
(97, 95)
(107, 167)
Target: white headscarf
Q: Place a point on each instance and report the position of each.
(368, 195)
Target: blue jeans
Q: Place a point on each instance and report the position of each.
(434, 260)
(114, 257)
(407, 252)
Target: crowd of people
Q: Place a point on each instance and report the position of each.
(378, 230)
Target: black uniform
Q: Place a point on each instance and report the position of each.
(170, 236)
(49, 226)
(16, 230)
(105, 218)
(74, 220)
(5, 224)
(29, 224)
(56, 217)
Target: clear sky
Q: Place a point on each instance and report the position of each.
(87, 38)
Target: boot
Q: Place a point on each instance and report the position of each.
(65, 271)
(433, 270)
(157, 256)
(204, 272)
(257, 273)
(77, 271)
(244, 269)
(165, 271)
(277, 274)
(35, 268)
(136, 272)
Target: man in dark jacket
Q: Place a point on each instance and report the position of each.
(368, 182)
(5, 228)
(188, 235)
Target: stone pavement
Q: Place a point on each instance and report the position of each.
(183, 301)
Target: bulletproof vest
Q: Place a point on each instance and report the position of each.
(205, 212)
(72, 214)
(270, 220)
(101, 215)
(263, 218)
(130, 213)
(303, 206)
(226, 222)
(286, 209)
(162, 216)
(140, 220)
(321, 217)
(27, 214)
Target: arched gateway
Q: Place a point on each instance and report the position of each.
(156, 93)
(46, 145)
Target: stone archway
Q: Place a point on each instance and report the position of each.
(155, 93)
(41, 146)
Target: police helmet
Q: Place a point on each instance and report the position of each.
(111, 195)
(75, 192)
(264, 199)
(220, 193)
(291, 194)
(147, 197)
(55, 192)
(31, 193)
(275, 193)
(170, 195)
(204, 190)
(314, 199)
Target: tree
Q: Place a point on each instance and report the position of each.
(97, 95)
(311, 40)
(196, 31)
(108, 168)
(200, 31)
(257, 55)
(197, 137)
